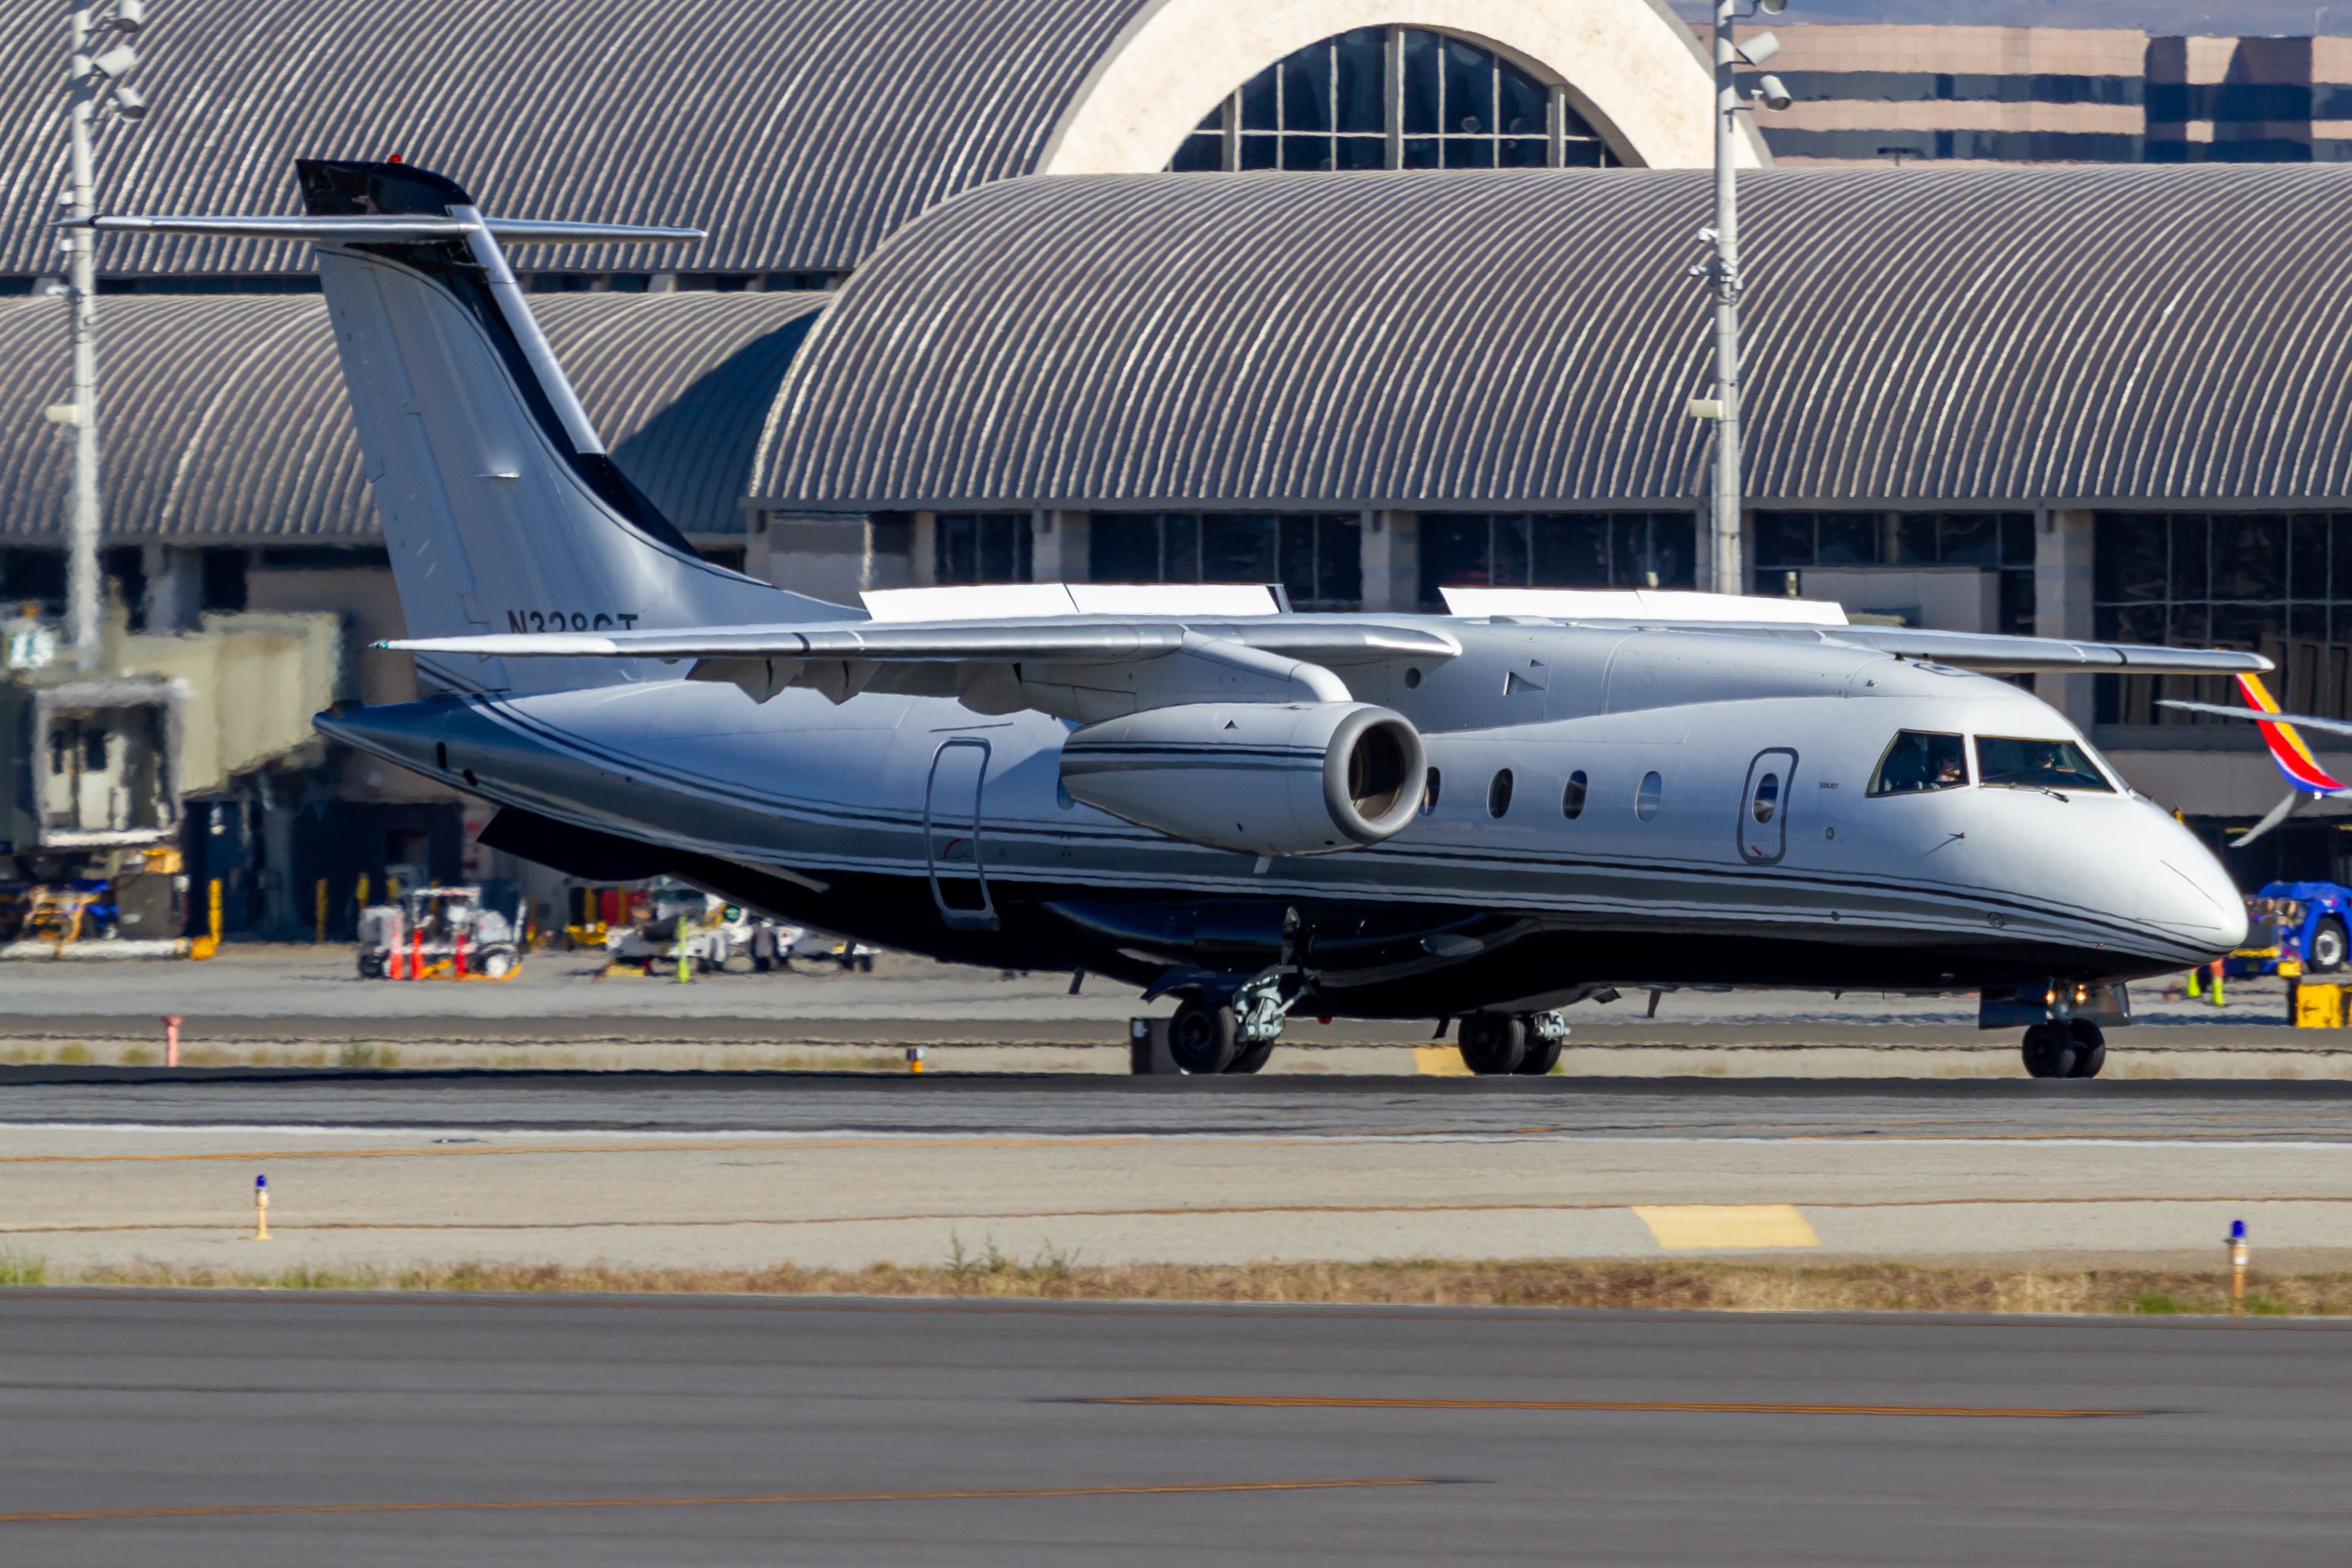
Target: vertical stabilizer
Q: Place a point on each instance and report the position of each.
(500, 506)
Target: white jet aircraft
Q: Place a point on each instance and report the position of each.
(1541, 799)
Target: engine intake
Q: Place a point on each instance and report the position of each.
(1263, 777)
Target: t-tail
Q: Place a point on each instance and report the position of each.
(501, 509)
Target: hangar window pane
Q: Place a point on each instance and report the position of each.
(1359, 65)
(1789, 542)
(1305, 79)
(981, 547)
(1424, 75)
(1554, 550)
(1469, 87)
(1316, 557)
(1459, 105)
(2276, 584)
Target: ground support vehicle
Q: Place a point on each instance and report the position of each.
(2295, 928)
(439, 933)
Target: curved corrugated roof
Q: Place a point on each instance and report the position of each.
(223, 415)
(798, 132)
(1509, 338)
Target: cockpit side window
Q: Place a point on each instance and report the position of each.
(2037, 764)
(1918, 761)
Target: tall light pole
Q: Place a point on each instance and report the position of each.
(90, 71)
(1724, 552)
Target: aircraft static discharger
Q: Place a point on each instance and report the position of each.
(1486, 816)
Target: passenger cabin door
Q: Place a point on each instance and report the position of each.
(1764, 807)
(951, 805)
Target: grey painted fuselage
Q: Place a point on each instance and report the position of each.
(861, 815)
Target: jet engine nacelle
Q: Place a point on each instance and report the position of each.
(1268, 778)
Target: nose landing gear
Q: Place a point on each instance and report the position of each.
(2074, 1048)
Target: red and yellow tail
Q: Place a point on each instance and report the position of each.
(2287, 748)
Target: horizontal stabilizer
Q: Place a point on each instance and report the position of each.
(2219, 711)
(387, 228)
(1092, 639)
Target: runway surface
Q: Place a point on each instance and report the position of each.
(1013, 1104)
(745, 1171)
(239, 1430)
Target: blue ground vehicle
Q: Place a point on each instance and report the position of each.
(2299, 925)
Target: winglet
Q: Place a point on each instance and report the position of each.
(2286, 744)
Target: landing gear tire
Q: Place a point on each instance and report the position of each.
(1542, 1055)
(1201, 1037)
(2050, 1051)
(1493, 1043)
(1250, 1058)
(2090, 1048)
(2330, 947)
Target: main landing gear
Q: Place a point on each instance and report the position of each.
(1522, 1045)
(2073, 1048)
(1207, 1036)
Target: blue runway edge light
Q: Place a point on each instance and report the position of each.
(2237, 1230)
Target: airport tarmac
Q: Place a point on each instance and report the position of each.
(296, 1006)
(232, 1429)
(746, 1171)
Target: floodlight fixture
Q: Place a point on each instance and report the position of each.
(129, 102)
(129, 15)
(117, 62)
(1772, 93)
(1755, 51)
(1771, 7)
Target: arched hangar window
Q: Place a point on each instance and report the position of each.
(1394, 97)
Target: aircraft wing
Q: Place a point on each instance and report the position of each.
(1092, 639)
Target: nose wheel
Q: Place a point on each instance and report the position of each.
(2074, 1048)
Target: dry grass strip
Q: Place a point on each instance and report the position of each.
(1680, 1285)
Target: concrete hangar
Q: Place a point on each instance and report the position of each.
(1368, 298)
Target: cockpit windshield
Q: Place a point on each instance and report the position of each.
(1919, 761)
(2037, 764)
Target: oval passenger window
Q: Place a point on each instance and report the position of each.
(1571, 797)
(1429, 793)
(1645, 804)
(1498, 793)
(1768, 796)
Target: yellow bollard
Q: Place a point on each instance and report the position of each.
(213, 910)
(261, 1208)
(321, 908)
(358, 894)
(914, 1059)
(685, 964)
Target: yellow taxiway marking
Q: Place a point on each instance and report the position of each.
(1439, 1061)
(205, 1510)
(1671, 1406)
(1681, 1227)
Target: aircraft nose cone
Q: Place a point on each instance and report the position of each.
(2189, 891)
